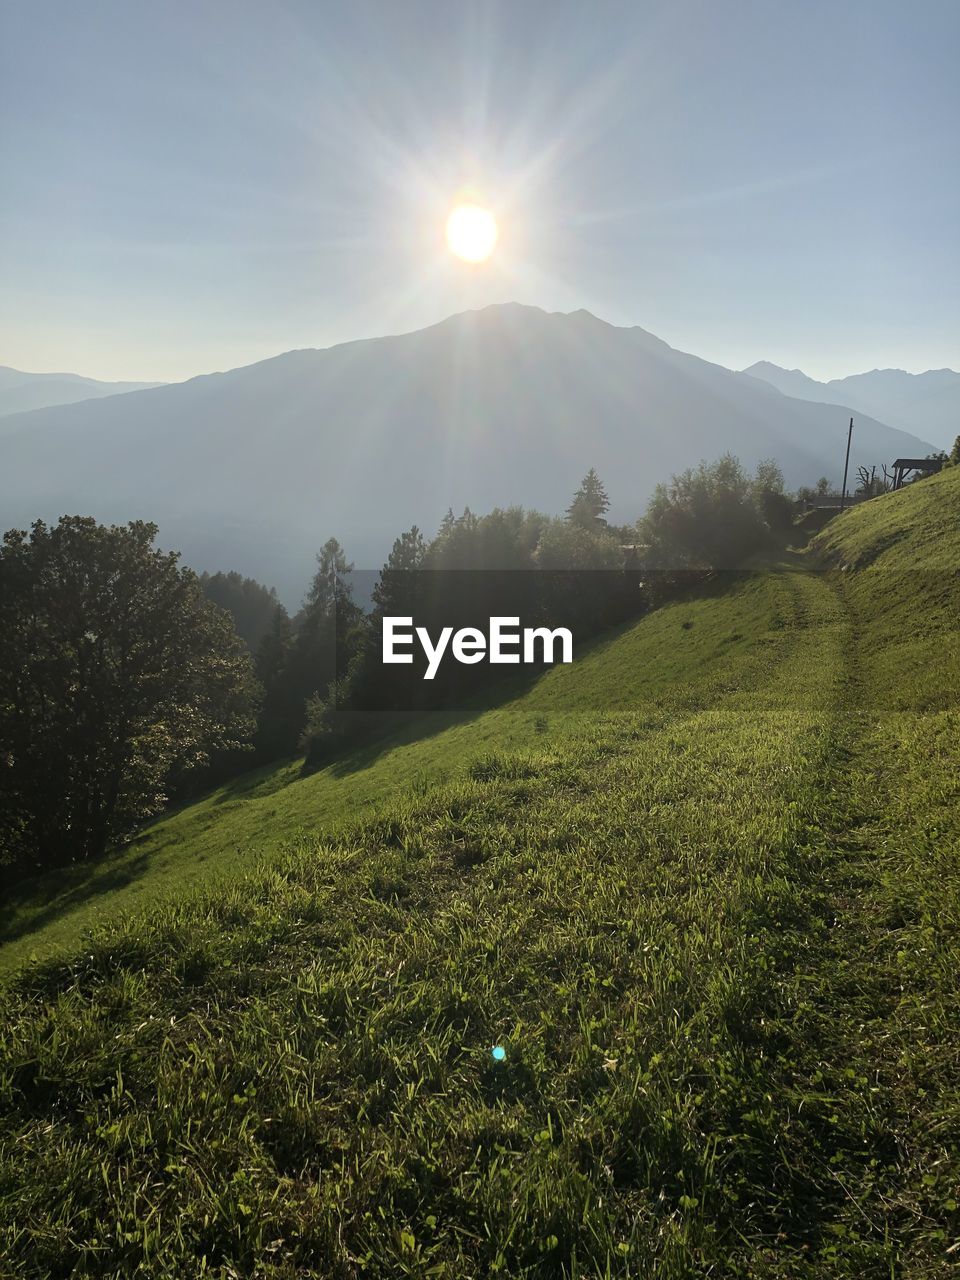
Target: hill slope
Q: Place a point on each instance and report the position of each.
(708, 909)
(927, 404)
(227, 832)
(21, 392)
(255, 468)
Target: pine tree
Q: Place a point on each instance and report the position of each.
(326, 639)
(392, 593)
(330, 588)
(281, 713)
(590, 503)
(273, 652)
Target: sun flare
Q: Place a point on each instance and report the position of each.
(471, 232)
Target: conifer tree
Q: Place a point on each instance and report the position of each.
(590, 503)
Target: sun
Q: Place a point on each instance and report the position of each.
(471, 232)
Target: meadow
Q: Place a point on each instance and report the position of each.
(701, 888)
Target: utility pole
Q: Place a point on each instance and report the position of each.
(843, 496)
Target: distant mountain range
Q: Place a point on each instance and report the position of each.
(926, 404)
(254, 469)
(21, 391)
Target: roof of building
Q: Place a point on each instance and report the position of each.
(919, 464)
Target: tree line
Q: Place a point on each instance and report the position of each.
(128, 681)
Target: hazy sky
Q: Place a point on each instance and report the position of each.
(194, 186)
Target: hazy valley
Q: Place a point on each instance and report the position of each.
(253, 469)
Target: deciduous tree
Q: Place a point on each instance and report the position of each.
(116, 677)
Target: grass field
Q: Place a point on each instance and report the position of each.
(704, 890)
(238, 827)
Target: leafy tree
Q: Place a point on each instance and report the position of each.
(116, 678)
(777, 510)
(590, 503)
(707, 517)
(823, 487)
(768, 478)
(955, 453)
(769, 498)
(571, 546)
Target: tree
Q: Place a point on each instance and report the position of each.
(768, 478)
(590, 503)
(955, 453)
(707, 517)
(871, 485)
(569, 546)
(327, 621)
(325, 637)
(823, 487)
(250, 604)
(393, 591)
(508, 563)
(330, 589)
(116, 678)
(281, 714)
(769, 498)
(273, 651)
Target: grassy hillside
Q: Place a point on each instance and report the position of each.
(703, 889)
(255, 817)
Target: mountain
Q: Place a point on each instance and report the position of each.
(792, 382)
(927, 404)
(254, 469)
(21, 391)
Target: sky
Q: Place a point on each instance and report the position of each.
(195, 186)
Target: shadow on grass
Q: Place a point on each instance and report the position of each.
(384, 731)
(63, 890)
(390, 730)
(31, 904)
(247, 785)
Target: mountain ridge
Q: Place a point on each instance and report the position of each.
(927, 403)
(254, 468)
(21, 392)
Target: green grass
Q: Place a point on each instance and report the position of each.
(252, 820)
(703, 887)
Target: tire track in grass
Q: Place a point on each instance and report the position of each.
(861, 1067)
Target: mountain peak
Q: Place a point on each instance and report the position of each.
(768, 366)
